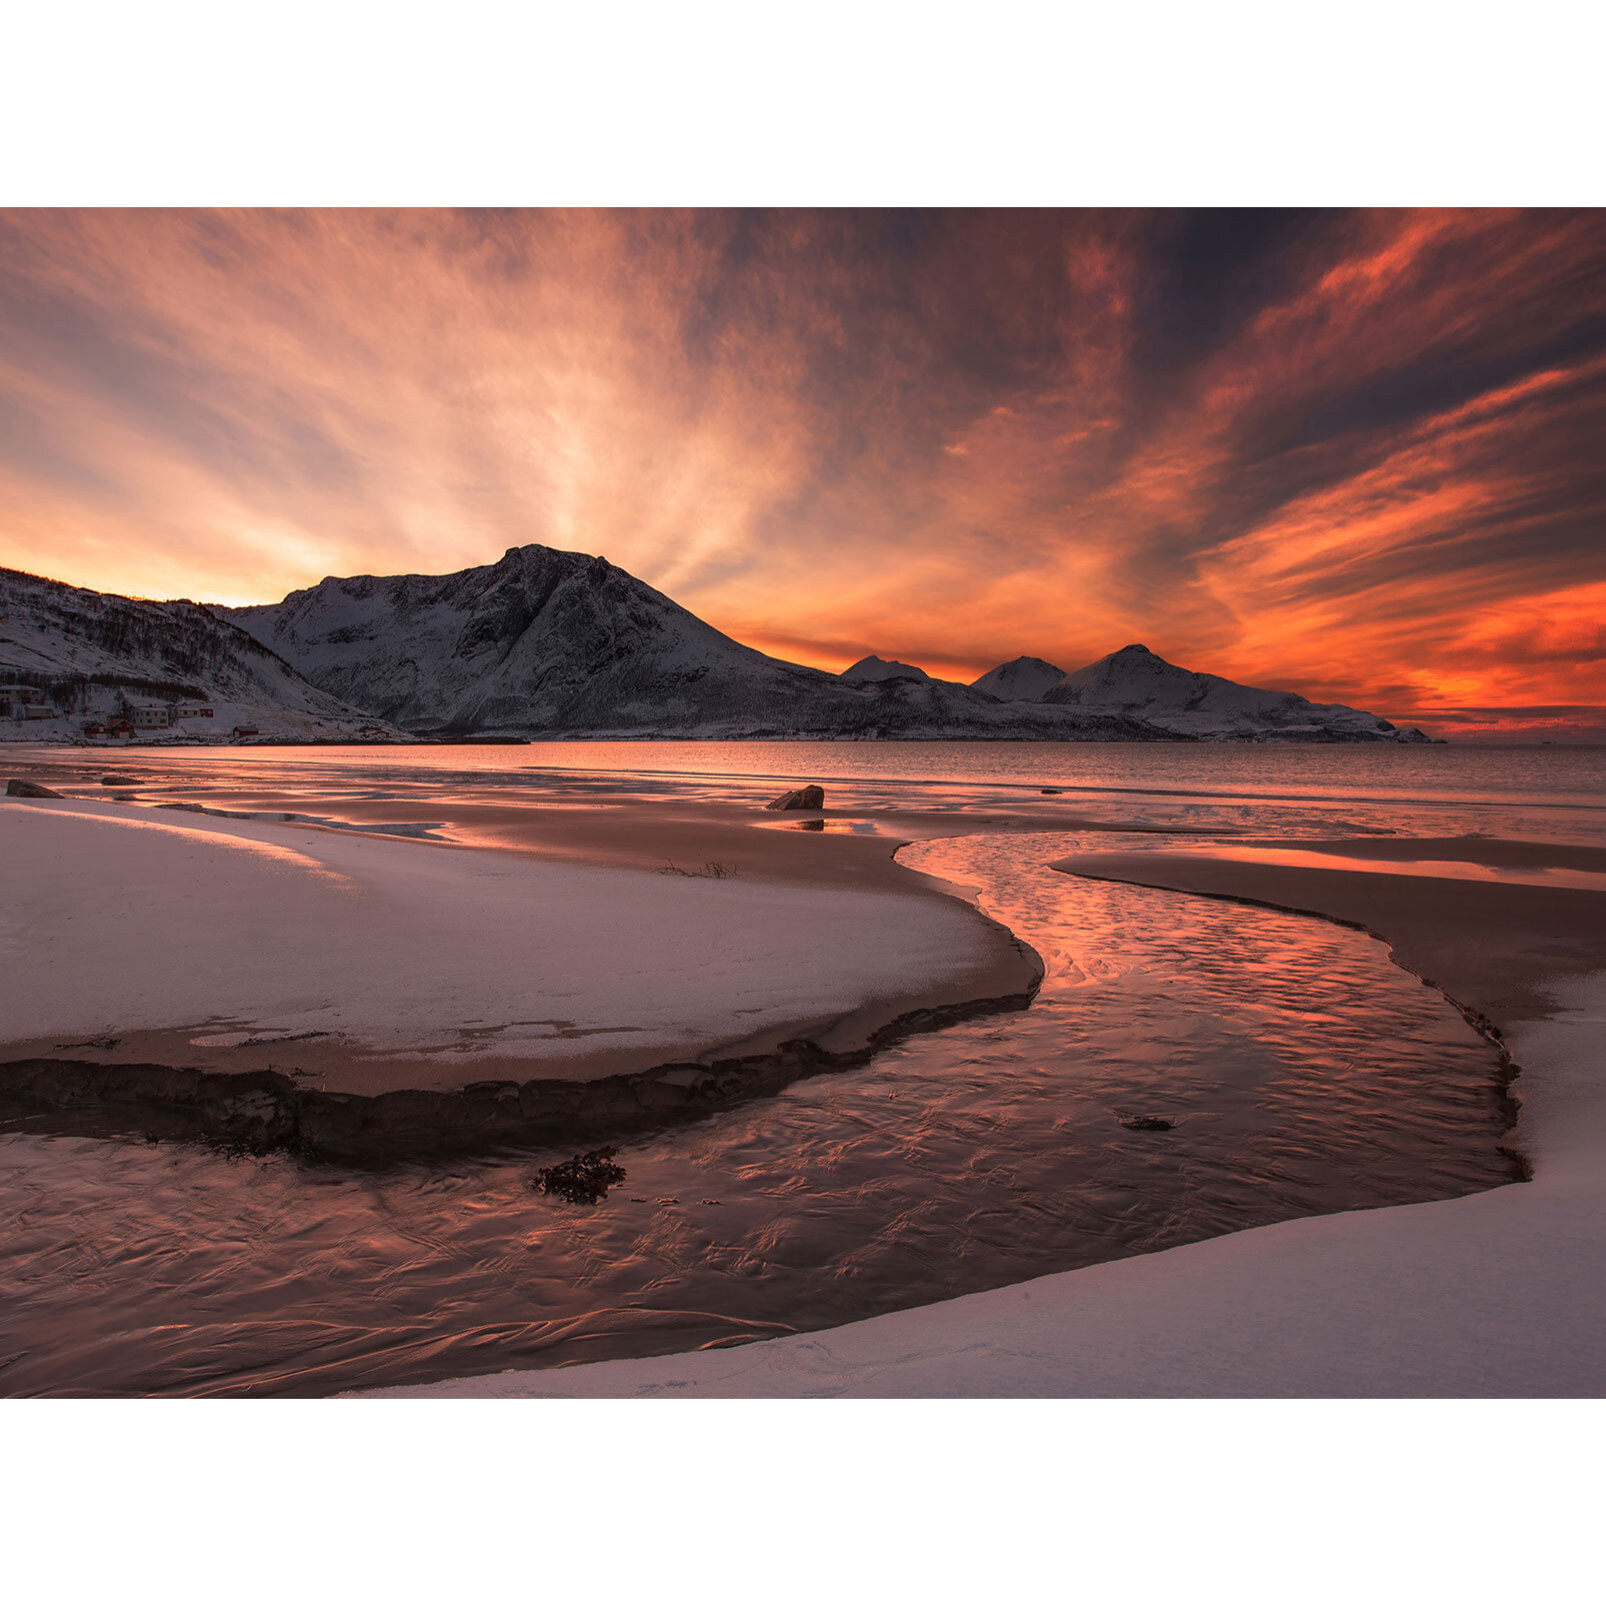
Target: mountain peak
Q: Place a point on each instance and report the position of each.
(1021, 680)
(873, 668)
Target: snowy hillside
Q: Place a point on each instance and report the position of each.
(559, 643)
(71, 657)
(1141, 685)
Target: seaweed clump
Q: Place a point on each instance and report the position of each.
(583, 1180)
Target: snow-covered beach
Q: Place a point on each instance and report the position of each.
(373, 965)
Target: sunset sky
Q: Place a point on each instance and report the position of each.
(1359, 455)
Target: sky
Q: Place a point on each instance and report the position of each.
(1359, 455)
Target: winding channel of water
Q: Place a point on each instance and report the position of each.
(1302, 1073)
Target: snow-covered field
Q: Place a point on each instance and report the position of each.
(1498, 1294)
(116, 919)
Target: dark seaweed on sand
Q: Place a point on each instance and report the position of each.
(583, 1180)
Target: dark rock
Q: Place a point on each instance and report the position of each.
(1147, 1123)
(806, 797)
(15, 788)
(1052, 791)
(118, 780)
(583, 1180)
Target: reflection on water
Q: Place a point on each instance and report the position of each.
(835, 827)
(1531, 875)
(1300, 1070)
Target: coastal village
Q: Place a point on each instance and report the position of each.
(129, 716)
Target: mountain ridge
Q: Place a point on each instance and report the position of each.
(1141, 684)
(565, 644)
(568, 645)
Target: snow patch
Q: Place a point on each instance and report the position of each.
(242, 930)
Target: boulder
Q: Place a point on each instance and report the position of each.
(16, 788)
(118, 780)
(806, 797)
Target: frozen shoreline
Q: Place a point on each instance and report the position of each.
(1496, 1294)
(373, 968)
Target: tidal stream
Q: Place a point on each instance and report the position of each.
(1301, 1071)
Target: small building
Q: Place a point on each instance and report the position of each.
(147, 716)
(193, 709)
(14, 696)
(95, 728)
(245, 730)
(38, 711)
(119, 727)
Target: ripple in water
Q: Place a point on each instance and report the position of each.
(1303, 1071)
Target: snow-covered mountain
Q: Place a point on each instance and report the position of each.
(873, 668)
(1141, 685)
(1021, 680)
(69, 656)
(562, 644)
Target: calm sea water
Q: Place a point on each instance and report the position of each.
(1303, 1073)
(1556, 793)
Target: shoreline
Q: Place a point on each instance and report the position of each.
(265, 1112)
(306, 1083)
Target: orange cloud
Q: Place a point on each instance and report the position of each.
(1356, 454)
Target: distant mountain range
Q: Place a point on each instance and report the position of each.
(559, 644)
(1141, 685)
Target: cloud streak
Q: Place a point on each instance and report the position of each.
(1356, 454)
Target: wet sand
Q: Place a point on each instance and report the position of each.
(1495, 853)
(1492, 946)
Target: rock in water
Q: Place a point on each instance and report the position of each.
(806, 797)
(15, 788)
(118, 780)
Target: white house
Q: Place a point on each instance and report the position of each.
(144, 715)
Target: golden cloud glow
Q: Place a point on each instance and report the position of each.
(1359, 461)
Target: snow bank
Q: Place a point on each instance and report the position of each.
(1498, 1294)
(117, 919)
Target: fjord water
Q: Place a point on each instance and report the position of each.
(1547, 792)
(1301, 1070)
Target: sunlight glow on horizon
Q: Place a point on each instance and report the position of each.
(1353, 455)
